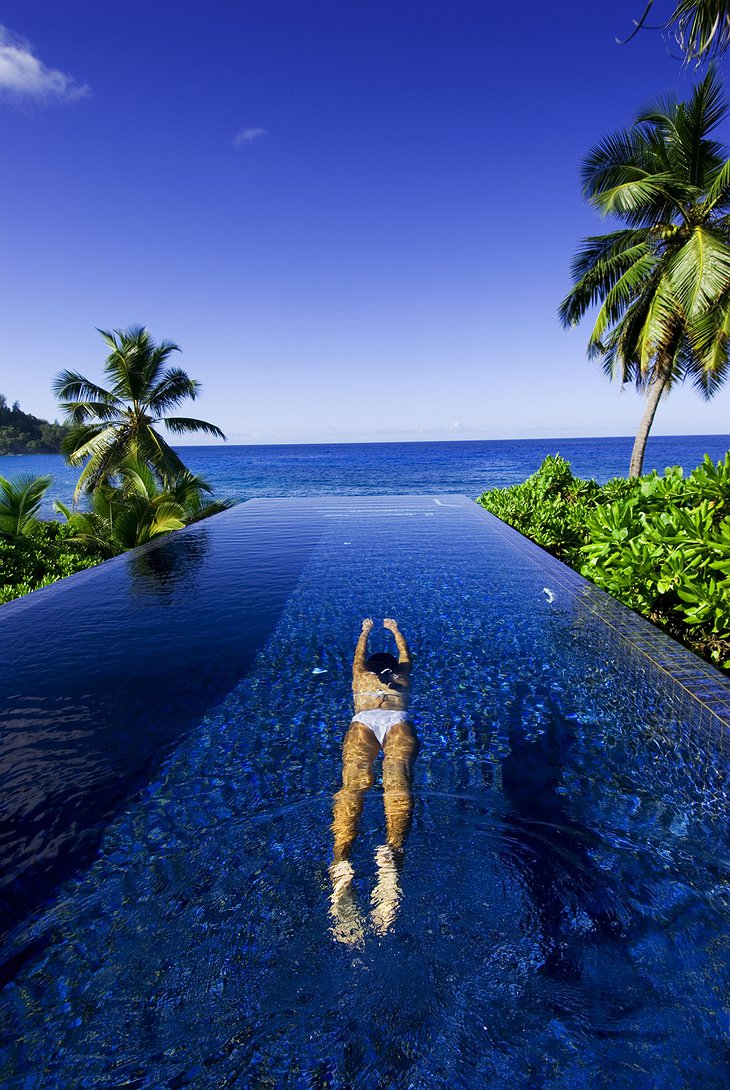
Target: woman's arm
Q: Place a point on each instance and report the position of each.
(404, 655)
(358, 664)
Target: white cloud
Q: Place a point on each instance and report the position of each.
(23, 76)
(247, 136)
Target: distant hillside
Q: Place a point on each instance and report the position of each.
(21, 433)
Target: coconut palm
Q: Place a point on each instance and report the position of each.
(111, 425)
(140, 509)
(701, 27)
(663, 281)
(20, 500)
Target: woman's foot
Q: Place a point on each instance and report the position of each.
(386, 896)
(347, 925)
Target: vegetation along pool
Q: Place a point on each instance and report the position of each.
(173, 723)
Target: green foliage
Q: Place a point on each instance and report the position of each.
(139, 508)
(21, 433)
(660, 281)
(660, 544)
(19, 503)
(701, 27)
(550, 507)
(135, 510)
(43, 555)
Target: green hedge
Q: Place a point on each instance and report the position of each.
(39, 557)
(660, 544)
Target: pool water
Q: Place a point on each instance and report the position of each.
(561, 915)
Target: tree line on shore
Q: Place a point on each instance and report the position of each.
(23, 433)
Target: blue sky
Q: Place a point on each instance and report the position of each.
(356, 219)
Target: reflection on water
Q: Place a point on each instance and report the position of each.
(560, 917)
(572, 900)
(172, 568)
(101, 676)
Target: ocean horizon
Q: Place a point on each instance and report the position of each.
(464, 466)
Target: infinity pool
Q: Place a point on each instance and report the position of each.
(172, 731)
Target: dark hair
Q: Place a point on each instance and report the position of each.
(382, 663)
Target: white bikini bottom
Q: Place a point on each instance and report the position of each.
(380, 721)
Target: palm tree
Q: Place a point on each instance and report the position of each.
(663, 281)
(701, 27)
(140, 510)
(20, 501)
(110, 425)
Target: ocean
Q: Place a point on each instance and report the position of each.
(466, 467)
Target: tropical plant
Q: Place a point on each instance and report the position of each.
(701, 27)
(663, 281)
(114, 424)
(140, 508)
(41, 556)
(20, 501)
(550, 507)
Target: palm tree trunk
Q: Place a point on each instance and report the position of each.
(653, 397)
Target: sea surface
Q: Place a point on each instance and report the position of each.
(468, 468)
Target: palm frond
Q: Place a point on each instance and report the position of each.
(82, 411)
(719, 191)
(20, 500)
(86, 440)
(598, 267)
(182, 425)
(700, 271)
(153, 449)
(702, 27)
(639, 199)
(660, 334)
(620, 296)
(709, 337)
(174, 387)
(158, 355)
(70, 386)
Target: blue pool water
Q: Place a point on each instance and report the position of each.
(173, 730)
(244, 473)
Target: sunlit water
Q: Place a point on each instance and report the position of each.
(561, 917)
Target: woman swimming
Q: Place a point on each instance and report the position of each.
(380, 690)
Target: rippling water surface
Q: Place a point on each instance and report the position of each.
(561, 915)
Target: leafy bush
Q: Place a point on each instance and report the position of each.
(660, 544)
(138, 509)
(41, 556)
(550, 507)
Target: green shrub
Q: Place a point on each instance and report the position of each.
(660, 544)
(43, 555)
(550, 507)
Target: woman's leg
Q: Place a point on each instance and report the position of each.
(399, 753)
(359, 750)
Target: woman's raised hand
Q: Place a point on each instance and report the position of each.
(390, 624)
(367, 624)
